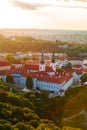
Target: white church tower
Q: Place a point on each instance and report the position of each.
(42, 66)
(53, 63)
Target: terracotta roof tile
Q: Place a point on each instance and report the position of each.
(31, 67)
(4, 63)
(77, 66)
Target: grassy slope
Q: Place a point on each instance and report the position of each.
(75, 105)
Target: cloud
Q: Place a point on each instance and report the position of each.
(27, 6)
(34, 5)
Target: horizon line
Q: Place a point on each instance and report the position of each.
(44, 29)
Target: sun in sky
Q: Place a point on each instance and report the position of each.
(46, 14)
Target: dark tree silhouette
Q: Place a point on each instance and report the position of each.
(29, 82)
(9, 79)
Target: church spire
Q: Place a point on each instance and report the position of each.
(53, 58)
(42, 59)
(42, 64)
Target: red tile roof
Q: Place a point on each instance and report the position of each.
(49, 69)
(43, 76)
(32, 62)
(46, 78)
(4, 63)
(5, 72)
(36, 67)
(54, 79)
(77, 66)
(31, 67)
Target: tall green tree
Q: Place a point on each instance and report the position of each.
(9, 79)
(29, 82)
(69, 65)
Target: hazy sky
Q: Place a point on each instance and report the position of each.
(44, 14)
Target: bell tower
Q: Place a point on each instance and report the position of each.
(53, 64)
(42, 64)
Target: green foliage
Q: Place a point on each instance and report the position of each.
(15, 100)
(5, 125)
(29, 82)
(69, 65)
(17, 113)
(24, 111)
(70, 128)
(27, 94)
(34, 123)
(49, 126)
(84, 78)
(9, 79)
(23, 126)
(10, 58)
(28, 43)
(3, 86)
(59, 70)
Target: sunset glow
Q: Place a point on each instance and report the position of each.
(47, 14)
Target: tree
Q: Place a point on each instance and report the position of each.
(49, 126)
(69, 65)
(70, 128)
(10, 58)
(29, 82)
(9, 79)
(59, 70)
(23, 126)
(84, 78)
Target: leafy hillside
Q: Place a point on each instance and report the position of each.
(30, 44)
(30, 111)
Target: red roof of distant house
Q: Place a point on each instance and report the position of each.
(54, 79)
(5, 72)
(36, 67)
(49, 69)
(32, 62)
(31, 67)
(43, 76)
(4, 63)
(77, 66)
